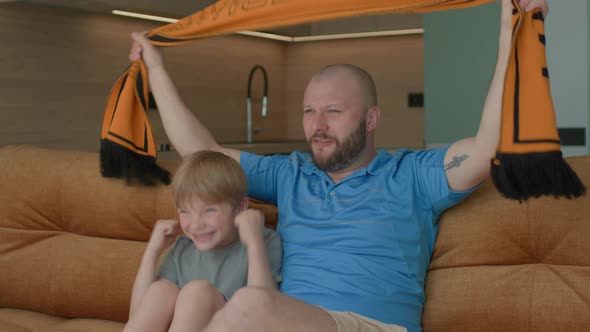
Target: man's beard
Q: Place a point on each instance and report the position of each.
(345, 152)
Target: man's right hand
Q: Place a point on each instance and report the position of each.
(142, 48)
(163, 235)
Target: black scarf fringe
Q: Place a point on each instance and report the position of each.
(531, 175)
(117, 161)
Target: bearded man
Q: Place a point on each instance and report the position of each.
(358, 225)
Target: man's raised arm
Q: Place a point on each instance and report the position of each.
(467, 162)
(186, 133)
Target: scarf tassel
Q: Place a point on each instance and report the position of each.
(117, 161)
(531, 175)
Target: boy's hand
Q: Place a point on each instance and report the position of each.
(249, 223)
(163, 235)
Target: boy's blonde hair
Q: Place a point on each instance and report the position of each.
(209, 176)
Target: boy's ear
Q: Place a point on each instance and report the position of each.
(244, 203)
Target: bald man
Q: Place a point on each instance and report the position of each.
(358, 225)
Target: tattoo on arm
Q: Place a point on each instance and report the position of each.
(456, 162)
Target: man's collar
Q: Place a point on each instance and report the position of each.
(308, 166)
(378, 163)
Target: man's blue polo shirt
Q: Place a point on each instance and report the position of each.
(361, 245)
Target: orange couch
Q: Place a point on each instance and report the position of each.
(71, 242)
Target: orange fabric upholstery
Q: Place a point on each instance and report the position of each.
(501, 265)
(71, 243)
(70, 240)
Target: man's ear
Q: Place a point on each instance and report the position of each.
(372, 118)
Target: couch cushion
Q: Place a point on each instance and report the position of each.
(54, 190)
(70, 240)
(67, 274)
(14, 320)
(509, 266)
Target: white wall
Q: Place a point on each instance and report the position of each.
(567, 34)
(453, 106)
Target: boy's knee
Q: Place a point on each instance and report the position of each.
(199, 286)
(252, 299)
(165, 286)
(246, 310)
(202, 290)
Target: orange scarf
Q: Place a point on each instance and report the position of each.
(128, 149)
(529, 162)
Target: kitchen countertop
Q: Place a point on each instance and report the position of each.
(261, 147)
(268, 147)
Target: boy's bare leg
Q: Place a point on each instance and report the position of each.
(156, 308)
(196, 304)
(253, 309)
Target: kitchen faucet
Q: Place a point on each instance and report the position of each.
(249, 102)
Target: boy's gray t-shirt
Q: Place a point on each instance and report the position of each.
(225, 268)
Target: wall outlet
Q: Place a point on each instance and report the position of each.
(416, 99)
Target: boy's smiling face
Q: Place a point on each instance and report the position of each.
(208, 225)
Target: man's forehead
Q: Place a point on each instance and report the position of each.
(336, 73)
(337, 83)
(334, 105)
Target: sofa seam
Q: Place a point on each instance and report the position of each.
(504, 265)
(61, 191)
(531, 299)
(533, 247)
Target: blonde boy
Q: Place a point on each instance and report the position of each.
(224, 247)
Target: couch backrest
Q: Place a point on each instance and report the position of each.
(70, 240)
(507, 266)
